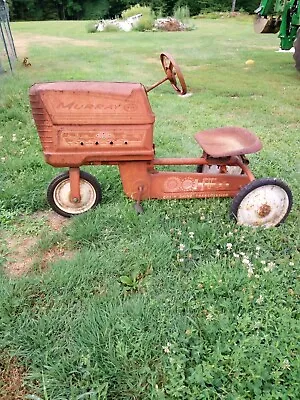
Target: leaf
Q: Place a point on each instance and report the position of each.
(126, 280)
(196, 247)
(86, 395)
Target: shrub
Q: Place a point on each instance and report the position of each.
(111, 28)
(145, 23)
(182, 14)
(91, 27)
(137, 9)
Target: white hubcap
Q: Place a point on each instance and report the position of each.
(61, 197)
(264, 206)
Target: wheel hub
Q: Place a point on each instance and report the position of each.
(264, 210)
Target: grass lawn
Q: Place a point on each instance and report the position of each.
(207, 309)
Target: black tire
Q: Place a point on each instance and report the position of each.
(69, 209)
(262, 213)
(297, 50)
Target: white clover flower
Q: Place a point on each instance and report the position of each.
(229, 246)
(217, 252)
(260, 300)
(181, 247)
(263, 262)
(167, 217)
(250, 272)
(230, 234)
(257, 248)
(181, 260)
(236, 255)
(270, 266)
(291, 263)
(286, 364)
(209, 317)
(246, 261)
(191, 235)
(202, 218)
(166, 348)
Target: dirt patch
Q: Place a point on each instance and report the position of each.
(54, 220)
(54, 254)
(24, 40)
(20, 259)
(22, 253)
(11, 380)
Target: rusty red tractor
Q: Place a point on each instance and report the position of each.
(111, 123)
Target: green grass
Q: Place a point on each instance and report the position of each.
(191, 320)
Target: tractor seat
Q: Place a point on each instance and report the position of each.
(228, 141)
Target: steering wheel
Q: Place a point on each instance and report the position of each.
(173, 72)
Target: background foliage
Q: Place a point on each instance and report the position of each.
(22, 10)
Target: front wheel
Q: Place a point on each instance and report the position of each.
(264, 202)
(58, 194)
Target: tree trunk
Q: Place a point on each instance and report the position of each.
(233, 6)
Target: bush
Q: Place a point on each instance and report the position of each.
(137, 9)
(182, 14)
(111, 28)
(91, 27)
(145, 23)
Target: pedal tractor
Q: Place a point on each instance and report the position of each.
(111, 123)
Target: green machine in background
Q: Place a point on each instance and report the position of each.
(281, 16)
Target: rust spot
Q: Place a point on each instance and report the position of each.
(264, 210)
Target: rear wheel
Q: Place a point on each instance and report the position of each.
(297, 50)
(58, 194)
(264, 202)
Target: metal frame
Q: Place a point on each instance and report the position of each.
(6, 36)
